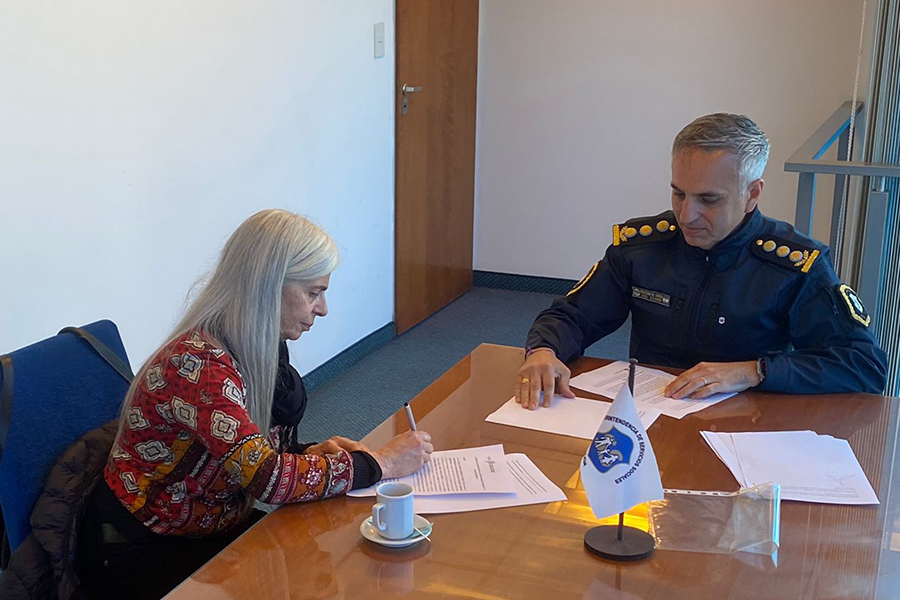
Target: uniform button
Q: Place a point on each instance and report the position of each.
(721, 320)
(759, 242)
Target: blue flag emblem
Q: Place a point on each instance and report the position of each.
(610, 448)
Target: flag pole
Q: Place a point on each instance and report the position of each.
(632, 366)
(621, 533)
(608, 541)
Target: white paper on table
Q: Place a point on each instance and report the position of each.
(809, 467)
(648, 389)
(532, 487)
(576, 417)
(723, 446)
(467, 471)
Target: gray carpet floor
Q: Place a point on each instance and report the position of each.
(364, 395)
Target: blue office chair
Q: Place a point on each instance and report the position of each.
(51, 394)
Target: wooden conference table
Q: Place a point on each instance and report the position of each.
(316, 550)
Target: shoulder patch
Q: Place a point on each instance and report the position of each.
(855, 308)
(644, 230)
(584, 279)
(785, 253)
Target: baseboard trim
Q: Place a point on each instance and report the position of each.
(344, 360)
(522, 283)
(381, 336)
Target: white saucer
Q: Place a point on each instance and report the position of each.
(419, 522)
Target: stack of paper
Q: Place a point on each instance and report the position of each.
(576, 417)
(648, 389)
(809, 467)
(475, 479)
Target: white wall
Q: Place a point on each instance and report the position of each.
(134, 137)
(579, 101)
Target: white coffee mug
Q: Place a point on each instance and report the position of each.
(392, 516)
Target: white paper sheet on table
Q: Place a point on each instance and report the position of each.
(809, 467)
(723, 446)
(648, 389)
(465, 471)
(532, 487)
(576, 417)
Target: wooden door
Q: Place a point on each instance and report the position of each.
(437, 50)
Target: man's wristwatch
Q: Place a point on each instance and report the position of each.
(761, 367)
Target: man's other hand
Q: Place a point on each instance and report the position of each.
(538, 374)
(708, 378)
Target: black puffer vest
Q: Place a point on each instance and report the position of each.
(43, 566)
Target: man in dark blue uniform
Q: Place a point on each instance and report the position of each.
(738, 299)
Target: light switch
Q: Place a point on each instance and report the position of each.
(379, 40)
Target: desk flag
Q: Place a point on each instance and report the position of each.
(619, 469)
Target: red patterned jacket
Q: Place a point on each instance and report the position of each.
(189, 460)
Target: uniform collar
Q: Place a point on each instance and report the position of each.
(742, 234)
(727, 250)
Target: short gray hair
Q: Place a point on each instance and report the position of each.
(724, 131)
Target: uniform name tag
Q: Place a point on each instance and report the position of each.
(650, 296)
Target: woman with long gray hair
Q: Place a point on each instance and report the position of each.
(208, 424)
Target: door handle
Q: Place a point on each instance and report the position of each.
(407, 89)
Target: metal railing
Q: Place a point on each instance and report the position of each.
(807, 162)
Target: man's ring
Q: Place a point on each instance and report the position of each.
(705, 382)
(525, 380)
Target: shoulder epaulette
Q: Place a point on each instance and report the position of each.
(785, 253)
(644, 230)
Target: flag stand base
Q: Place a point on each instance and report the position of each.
(604, 541)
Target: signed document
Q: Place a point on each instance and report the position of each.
(480, 470)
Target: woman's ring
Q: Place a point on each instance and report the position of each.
(705, 382)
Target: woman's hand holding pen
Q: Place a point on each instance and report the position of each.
(404, 454)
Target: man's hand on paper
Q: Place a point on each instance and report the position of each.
(404, 454)
(709, 378)
(539, 373)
